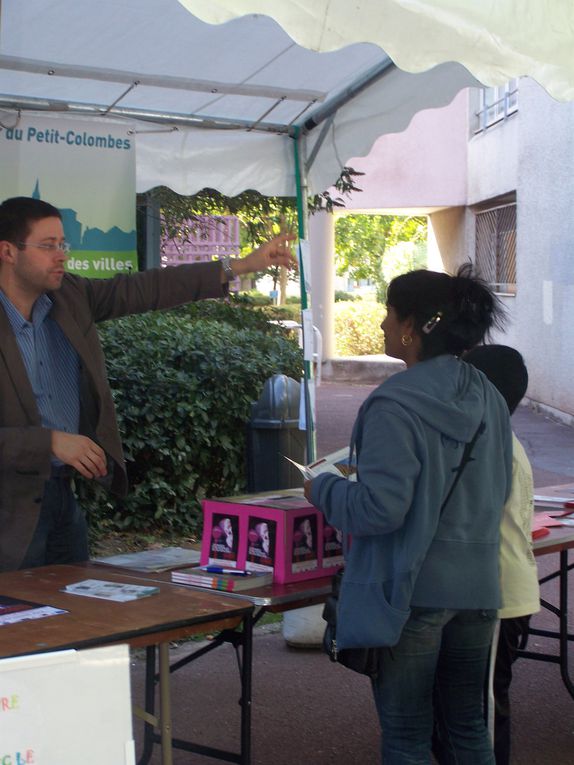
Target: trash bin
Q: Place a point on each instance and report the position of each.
(273, 434)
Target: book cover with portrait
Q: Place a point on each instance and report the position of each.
(261, 540)
(305, 544)
(224, 538)
(332, 546)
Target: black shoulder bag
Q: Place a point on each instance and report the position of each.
(366, 660)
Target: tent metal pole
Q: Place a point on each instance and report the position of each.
(170, 120)
(100, 74)
(302, 223)
(384, 67)
(320, 141)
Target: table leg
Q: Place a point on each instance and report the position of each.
(165, 705)
(163, 721)
(246, 678)
(564, 637)
(149, 711)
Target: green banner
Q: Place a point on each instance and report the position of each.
(86, 168)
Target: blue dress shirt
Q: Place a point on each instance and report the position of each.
(52, 363)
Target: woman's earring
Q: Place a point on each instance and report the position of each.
(406, 340)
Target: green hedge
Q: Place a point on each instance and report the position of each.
(348, 297)
(291, 311)
(183, 382)
(358, 328)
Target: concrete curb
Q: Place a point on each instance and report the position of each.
(361, 369)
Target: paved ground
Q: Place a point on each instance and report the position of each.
(308, 712)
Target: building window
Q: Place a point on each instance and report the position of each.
(496, 104)
(496, 247)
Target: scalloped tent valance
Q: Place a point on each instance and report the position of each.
(220, 105)
(496, 40)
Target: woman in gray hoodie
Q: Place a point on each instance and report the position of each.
(421, 580)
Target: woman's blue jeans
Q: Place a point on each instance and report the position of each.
(437, 668)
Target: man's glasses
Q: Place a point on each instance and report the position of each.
(65, 247)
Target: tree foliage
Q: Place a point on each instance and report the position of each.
(261, 217)
(363, 243)
(344, 185)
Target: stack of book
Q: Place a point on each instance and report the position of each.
(216, 578)
(162, 559)
(119, 592)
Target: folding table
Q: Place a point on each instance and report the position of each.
(559, 540)
(172, 614)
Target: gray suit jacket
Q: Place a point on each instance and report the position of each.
(25, 455)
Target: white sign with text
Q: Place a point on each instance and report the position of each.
(67, 708)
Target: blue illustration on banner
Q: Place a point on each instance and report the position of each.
(94, 252)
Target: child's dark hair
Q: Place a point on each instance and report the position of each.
(504, 367)
(451, 313)
(18, 213)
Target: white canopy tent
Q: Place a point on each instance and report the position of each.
(277, 100)
(496, 40)
(218, 106)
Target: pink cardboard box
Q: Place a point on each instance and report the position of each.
(282, 533)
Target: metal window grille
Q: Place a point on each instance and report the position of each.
(496, 247)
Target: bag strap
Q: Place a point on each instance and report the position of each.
(463, 462)
(465, 459)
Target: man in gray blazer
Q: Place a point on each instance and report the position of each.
(56, 410)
